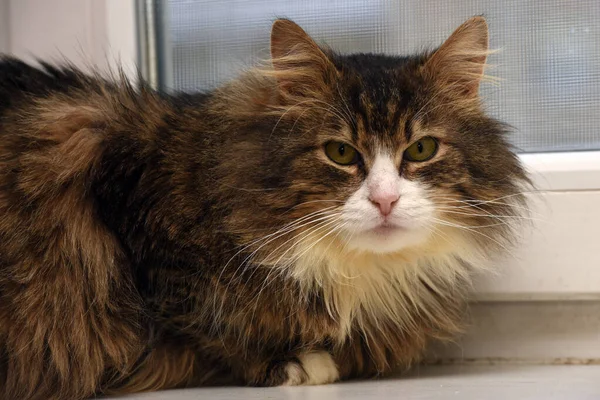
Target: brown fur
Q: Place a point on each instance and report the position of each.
(132, 224)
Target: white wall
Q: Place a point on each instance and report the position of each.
(4, 26)
(85, 32)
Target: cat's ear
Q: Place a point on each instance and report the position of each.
(460, 61)
(299, 64)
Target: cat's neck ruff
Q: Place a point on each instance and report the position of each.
(362, 289)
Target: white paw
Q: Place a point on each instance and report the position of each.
(315, 368)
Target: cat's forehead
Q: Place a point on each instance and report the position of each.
(381, 93)
(381, 123)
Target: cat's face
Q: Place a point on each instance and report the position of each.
(386, 153)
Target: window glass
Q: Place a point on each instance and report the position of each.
(548, 63)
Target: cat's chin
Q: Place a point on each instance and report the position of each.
(387, 239)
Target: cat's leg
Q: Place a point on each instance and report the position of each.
(323, 365)
(314, 367)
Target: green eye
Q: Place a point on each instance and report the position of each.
(341, 153)
(421, 150)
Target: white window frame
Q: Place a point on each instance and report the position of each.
(558, 259)
(564, 171)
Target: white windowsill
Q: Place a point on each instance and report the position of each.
(564, 171)
(496, 382)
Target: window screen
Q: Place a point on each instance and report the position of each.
(549, 63)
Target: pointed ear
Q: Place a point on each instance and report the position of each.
(300, 66)
(460, 61)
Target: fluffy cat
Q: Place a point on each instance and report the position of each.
(314, 220)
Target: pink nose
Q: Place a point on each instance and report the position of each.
(384, 201)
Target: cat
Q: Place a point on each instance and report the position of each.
(314, 220)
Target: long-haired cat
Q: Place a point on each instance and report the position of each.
(310, 221)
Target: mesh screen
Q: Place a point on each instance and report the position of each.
(549, 63)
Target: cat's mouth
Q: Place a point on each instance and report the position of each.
(387, 228)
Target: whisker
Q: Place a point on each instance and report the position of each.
(328, 221)
(291, 225)
(286, 229)
(282, 269)
(285, 113)
(470, 229)
(450, 210)
(348, 111)
(297, 257)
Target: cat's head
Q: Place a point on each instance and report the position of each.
(371, 153)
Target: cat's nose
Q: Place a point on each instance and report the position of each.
(385, 201)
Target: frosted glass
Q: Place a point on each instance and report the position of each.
(549, 63)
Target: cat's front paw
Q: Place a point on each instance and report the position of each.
(315, 368)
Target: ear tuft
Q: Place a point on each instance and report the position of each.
(300, 66)
(288, 37)
(461, 60)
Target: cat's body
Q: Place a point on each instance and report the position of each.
(150, 241)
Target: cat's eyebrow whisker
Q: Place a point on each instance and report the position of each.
(298, 119)
(348, 111)
(419, 112)
(448, 89)
(331, 110)
(311, 129)
(430, 110)
(422, 112)
(339, 113)
(287, 111)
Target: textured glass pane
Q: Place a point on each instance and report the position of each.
(549, 61)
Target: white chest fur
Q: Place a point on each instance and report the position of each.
(362, 290)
